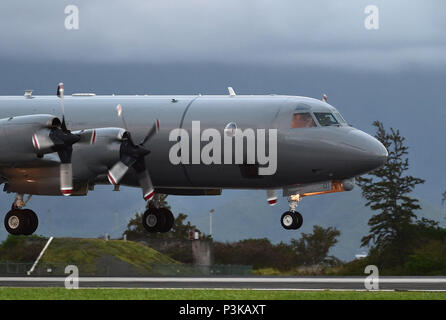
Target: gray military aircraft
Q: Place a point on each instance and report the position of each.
(177, 145)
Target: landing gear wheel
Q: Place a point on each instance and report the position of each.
(33, 222)
(16, 222)
(291, 220)
(153, 221)
(169, 219)
(287, 220)
(299, 219)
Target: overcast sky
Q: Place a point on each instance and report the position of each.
(319, 32)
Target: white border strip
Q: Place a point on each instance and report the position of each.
(223, 280)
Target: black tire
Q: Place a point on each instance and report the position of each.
(16, 222)
(33, 222)
(299, 220)
(153, 221)
(169, 219)
(288, 220)
(291, 220)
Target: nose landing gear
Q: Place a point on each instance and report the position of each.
(292, 220)
(20, 221)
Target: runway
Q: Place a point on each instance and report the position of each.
(266, 283)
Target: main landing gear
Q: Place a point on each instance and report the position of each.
(19, 221)
(157, 219)
(292, 220)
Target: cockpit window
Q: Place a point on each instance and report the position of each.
(339, 118)
(302, 120)
(326, 119)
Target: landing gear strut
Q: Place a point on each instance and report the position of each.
(292, 220)
(19, 221)
(157, 219)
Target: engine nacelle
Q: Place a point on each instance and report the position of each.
(95, 158)
(39, 181)
(24, 137)
(95, 153)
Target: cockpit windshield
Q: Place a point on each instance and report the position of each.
(326, 119)
(340, 118)
(302, 120)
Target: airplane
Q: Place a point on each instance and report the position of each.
(190, 145)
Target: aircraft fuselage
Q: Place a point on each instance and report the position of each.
(304, 154)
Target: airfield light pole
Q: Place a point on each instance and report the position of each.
(49, 221)
(210, 221)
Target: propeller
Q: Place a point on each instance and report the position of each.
(58, 138)
(63, 141)
(133, 155)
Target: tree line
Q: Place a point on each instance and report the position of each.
(400, 242)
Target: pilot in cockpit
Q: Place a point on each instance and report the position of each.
(302, 120)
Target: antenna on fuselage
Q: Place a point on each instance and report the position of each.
(324, 97)
(231, 92)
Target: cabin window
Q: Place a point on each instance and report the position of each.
(302, 120)
(326, 119)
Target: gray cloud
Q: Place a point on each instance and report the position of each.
(320, 32)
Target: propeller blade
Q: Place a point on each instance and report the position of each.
(66, 179)
(63, 145)
(66, 170)
(64, 125)
(117, 172)
(42, 141)
(60, 90)
(153, 130)
(60, 94)
(121, 115)
(59, 139)
(133, 156)
(271, 197)
(144, 179)
(146, 185)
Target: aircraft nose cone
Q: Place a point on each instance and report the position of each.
(371, 153)
(377, 154)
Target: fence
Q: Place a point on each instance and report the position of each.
(168, 270)
(12, 268)
(54, 269)
(197, 270)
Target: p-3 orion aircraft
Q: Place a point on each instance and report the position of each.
(177, 145)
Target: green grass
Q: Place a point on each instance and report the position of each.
(183, 294)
